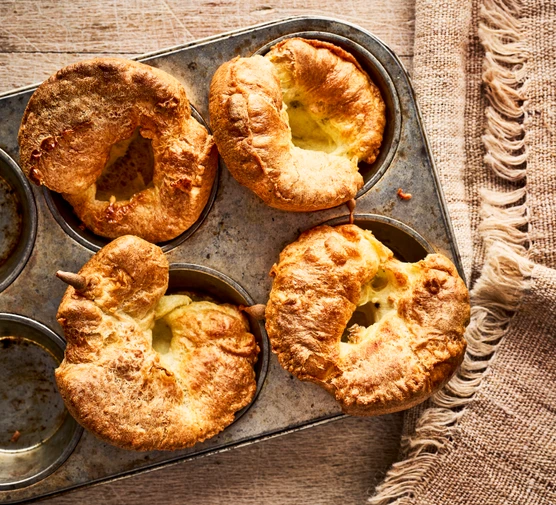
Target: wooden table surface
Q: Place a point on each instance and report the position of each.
(338, 462)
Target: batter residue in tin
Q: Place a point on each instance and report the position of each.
(10, 221)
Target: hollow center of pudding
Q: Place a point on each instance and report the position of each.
(363, 317)
(374, 303)
(309, 131)
(129, 169)
(162, 333)
(162, 336)
(311, 126)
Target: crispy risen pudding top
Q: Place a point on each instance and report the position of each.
(293, 125)
(146, 371)
(379, 334)
(117, 139)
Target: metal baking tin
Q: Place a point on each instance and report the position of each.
(241, 238)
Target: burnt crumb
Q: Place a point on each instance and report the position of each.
(377, 305)
(207, 256)
(192, 66)
(404, 196)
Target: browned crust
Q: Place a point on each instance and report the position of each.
(73, 119)
(251, 129)
(115, 384)
(416, 348)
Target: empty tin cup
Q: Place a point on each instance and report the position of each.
(18, 220)
(406, 244)
(72, 225)
(371, 173)
(208, 284)
(37, 434)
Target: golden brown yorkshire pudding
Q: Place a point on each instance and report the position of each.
(145, 371)
(293, 125)
(412, 316)
(117, 139)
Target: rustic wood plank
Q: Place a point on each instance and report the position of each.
(339, 462)
(23, 69)
(124, 25)
(38, 37)
(334, 463)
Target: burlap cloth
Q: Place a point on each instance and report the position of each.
(485, 76)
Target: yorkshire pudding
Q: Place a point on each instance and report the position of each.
(412, 318)
(145, 371)
(117, 139)
(293, 125)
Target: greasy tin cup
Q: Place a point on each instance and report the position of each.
(37, 433)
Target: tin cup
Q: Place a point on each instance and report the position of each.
(18, 220)
(208, 284)
(37, 434)
(72, 225)
(371, 173)
(406, 244)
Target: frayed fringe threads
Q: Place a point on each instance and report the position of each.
(507, 270)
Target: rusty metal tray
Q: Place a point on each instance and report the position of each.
(239, 237)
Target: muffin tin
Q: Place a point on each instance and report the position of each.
(227, 256)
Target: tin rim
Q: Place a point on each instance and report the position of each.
(381, 78)
(28, 235)
(216, 279)
(73, 226)
(56, 345)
